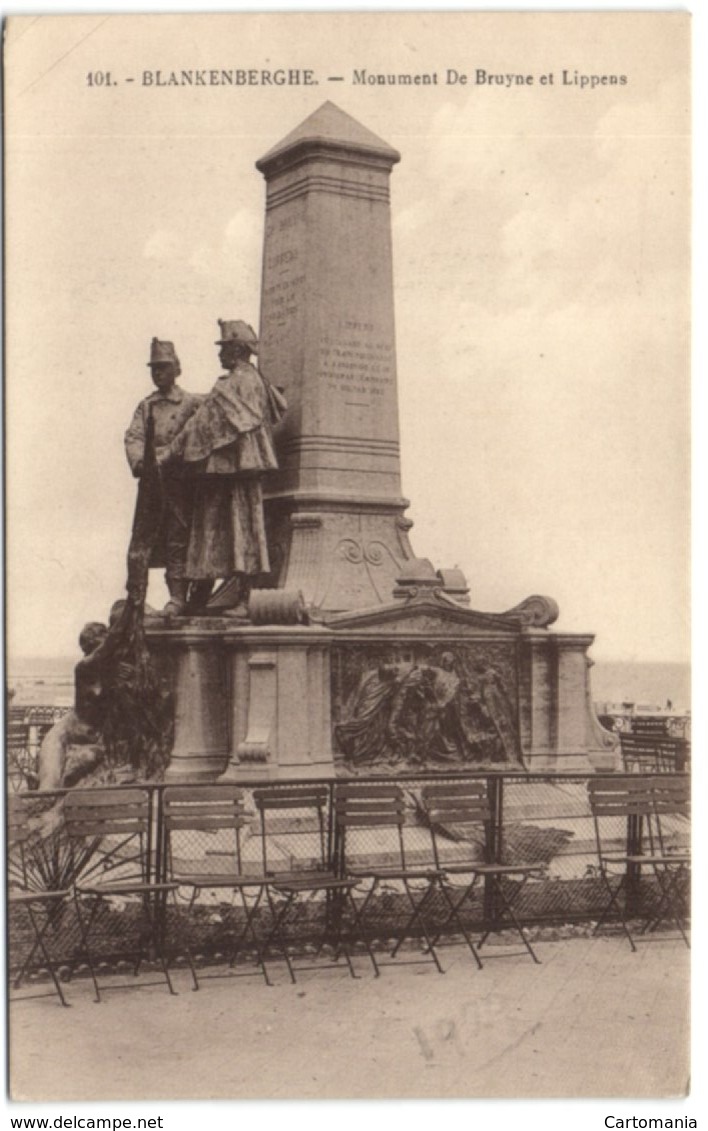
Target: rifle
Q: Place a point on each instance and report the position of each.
(147, 520)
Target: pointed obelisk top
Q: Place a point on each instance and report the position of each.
(330, 127)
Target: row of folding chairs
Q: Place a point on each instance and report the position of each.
(642, 831)
(217, 859)
(216, 854)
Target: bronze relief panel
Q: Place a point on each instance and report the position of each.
(416, 706)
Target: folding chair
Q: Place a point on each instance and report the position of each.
(42, 908)
(382, 808)
(192, 817)
(117, 826)
(654, 754)
(467, 805)
(630, 800)
(671, 801)
(284, 813)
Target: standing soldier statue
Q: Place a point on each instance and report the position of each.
(168, 408)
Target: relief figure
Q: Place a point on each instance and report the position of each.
(430, 714)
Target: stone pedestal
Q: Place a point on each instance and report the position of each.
(201, 744)
(274, 701)
(559, 726)
(280, 707)
(537, 695)
(250, 702)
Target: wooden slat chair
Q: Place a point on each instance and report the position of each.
(466, 806)
(313, 880)
(40, 907)
(117, 823)
(671, 804)
(654, 754)
(623, 808)
(193, 812)
(382, 807)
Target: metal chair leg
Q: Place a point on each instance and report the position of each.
(614, 899)
(454, 917)
(84, 929)
(670, 886)
(250, 930)
(507, 904)
(39, 932)
(418, 916)
(279, 916)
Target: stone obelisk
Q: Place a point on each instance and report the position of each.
(335, 511)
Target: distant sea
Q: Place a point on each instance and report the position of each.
(51, 681)
(645, 685)
(41, 680)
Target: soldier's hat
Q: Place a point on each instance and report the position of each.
(239, 332)
(161, 352)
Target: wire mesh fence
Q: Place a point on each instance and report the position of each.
(537, 819)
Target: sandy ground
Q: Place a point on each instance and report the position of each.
(592, 1020)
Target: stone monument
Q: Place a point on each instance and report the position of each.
(360, 657)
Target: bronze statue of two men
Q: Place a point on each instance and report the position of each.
(212, 453)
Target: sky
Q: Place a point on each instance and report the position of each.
(541, 249)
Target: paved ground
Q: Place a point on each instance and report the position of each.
(592, 1020)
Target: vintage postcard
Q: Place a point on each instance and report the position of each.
(347, 497)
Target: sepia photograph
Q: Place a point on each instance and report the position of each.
(347, 503)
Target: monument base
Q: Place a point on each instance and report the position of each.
(419, 685)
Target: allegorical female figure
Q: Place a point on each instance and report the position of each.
(364, 737)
